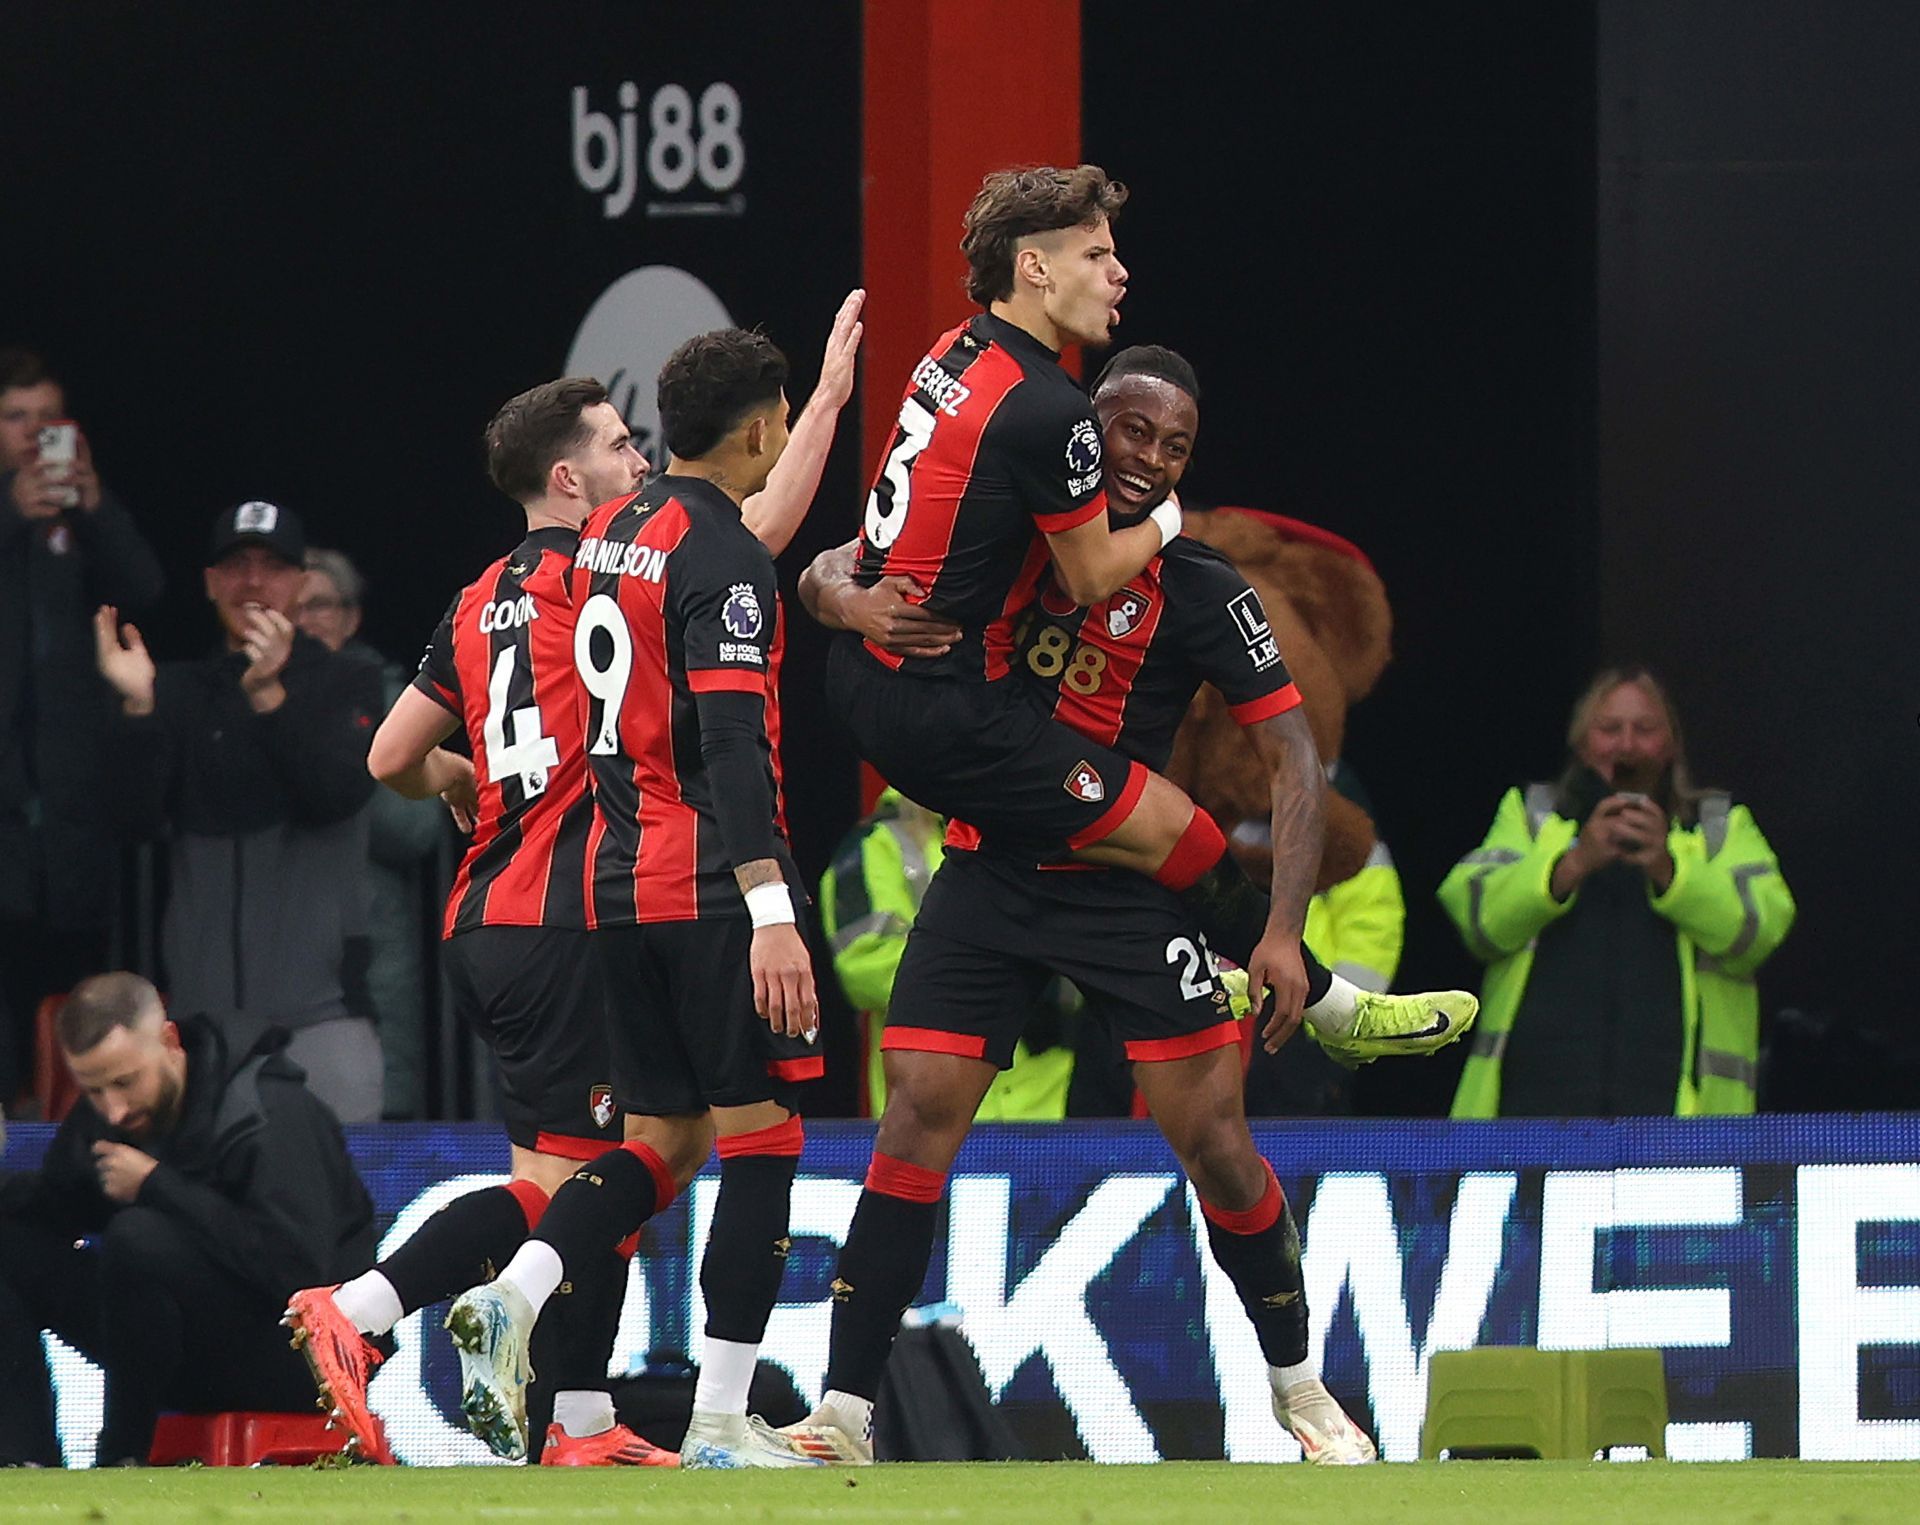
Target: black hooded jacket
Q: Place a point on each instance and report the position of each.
(255, 1170)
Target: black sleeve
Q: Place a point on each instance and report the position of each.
(733, 744)
(64, 1193)
(13, 524)
(122, 569)
(269, 1232)
(1050, 442)
(439, 677)
(1225, 634)
(726, 604)
(317, 740)
(141, 753)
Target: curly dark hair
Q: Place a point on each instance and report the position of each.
(533, 430)
(712, 382)
(1016, 203)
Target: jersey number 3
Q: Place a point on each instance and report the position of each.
(888, 502)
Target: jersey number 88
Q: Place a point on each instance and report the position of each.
(1048, 657)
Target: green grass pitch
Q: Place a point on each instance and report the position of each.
(1483, 1493)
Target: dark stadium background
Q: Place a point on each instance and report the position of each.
(1593, 325)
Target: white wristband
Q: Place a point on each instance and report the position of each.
(769, 905)
(1166, 519)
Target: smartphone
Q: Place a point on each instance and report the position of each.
(60, 449)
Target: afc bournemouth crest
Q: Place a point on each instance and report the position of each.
(600, 1103)
(1126, 613)
(1084, 784)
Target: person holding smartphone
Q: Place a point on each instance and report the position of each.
(1621, 913)
(67, 545)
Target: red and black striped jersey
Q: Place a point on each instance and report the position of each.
(502, 661)
(1125, 671)
(996, 446)
(674, 597)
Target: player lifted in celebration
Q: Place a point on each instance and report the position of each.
(993, 472)
(994, 928)
(501, 665)
(677, 644)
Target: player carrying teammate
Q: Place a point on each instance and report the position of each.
(993, 471)
(994, 928)
(677, 645)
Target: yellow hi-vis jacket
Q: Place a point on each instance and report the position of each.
(869, 896)
(1729, 907)
(1358, 927)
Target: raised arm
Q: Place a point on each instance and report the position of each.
(775, 512)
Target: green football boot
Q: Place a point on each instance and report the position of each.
(1383, 1024)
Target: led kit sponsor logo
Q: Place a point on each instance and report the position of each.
(1084, 784)
(741, 614)
(1251, 620)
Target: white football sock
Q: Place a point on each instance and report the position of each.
(1284, 1377)
(583, 1414)
(370, 1303)
(534, 1272)
(726, 1372)
(856, 1411)
(1334, 1012)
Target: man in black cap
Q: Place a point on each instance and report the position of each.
(252, 762)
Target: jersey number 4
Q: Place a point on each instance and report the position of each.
(515, 739)
(888, 502)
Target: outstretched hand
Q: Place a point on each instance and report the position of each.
(123, 660)
(835, 386)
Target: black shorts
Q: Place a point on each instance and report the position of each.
(989, 754)
(685, 1034)
(533, 995)
(990, 932)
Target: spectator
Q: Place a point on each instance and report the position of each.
(252, 762)
(66, 546)
(869, 896)
(1356, 928)
(403, 834)
(1622, 914)
(195, 1188)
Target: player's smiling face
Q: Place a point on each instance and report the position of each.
(1149, 427)
(1084, 282)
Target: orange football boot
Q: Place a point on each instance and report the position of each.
(617, 1447)
(342, 1360)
